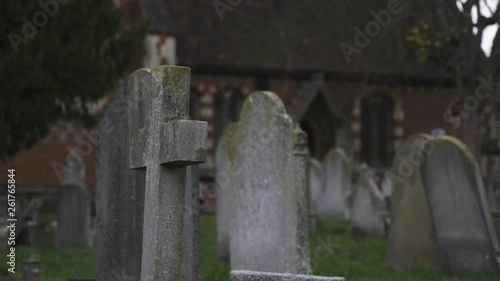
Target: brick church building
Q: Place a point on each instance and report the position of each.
(366, 103)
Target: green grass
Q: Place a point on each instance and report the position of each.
(357, 259)
(57, 265)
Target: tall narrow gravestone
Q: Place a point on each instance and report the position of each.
(73, 207)
(463, 226)
(315, 188)
(120, 191)
(368, 205)
(165, 146)
(337, 184)
(411, 237)
(223, 200)
(269, 228)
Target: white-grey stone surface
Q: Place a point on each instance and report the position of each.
(315, 187)
(245, 275)
(269, 230)
(368, 205)
(315, 183)
(337, 185)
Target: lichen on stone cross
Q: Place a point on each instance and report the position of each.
(164, 147)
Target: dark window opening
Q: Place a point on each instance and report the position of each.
(261, 83)
(377, 130)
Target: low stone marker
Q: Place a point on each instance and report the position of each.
(244, 275)
(73, 207)
(337, 184)
(463, 227)
(269, 228)
(368, 205)
(165, 146)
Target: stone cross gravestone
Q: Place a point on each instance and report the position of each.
(269, 228)
(73, 207)
(412, 242)
(315, 188)
(191, 254)
(368, 205)
(223, 200)
(165, 146)
(245, 275)
(120, 191)
(337, 184)
(463, 226)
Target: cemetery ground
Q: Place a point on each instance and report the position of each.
(357, 259)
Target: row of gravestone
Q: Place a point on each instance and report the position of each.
(147, 197)
(147, 218)
(334, 195)
(439, 209)
(439, 215)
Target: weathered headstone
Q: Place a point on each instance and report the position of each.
(315, 186)
(223, 199)
(337, 184)
(412, 241)
(120, 191)
(269, 228)
(244, 275)
(165, 146)
(73, 207)
(368, 205)
(463, 226)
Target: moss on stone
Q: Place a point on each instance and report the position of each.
(231, 145)
(446, 140)
(495, 215)
(133, 133)
(176, 75)
(172, 76)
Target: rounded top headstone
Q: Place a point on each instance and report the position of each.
(262, 100)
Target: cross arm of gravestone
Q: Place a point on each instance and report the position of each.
(180, 142)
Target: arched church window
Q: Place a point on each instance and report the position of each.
(377, 130)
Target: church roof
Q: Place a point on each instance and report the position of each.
(293, 35)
